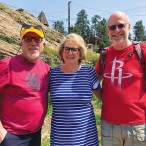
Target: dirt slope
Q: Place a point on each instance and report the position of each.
(10, 26)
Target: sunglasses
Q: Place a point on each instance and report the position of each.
(28, 39)
(26, 26)
(119, 26)
(73, 50)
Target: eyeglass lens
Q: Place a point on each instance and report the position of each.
(29, 39)
(114, 27)
(73, 50)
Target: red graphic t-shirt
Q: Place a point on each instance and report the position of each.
(124, 98)
(23, 94)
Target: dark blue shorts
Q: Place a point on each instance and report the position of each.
(33, 139)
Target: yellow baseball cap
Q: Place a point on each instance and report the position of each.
(31, 28)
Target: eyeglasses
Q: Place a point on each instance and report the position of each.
(114, 27)
(28, 39)
(73, 50)
(26, 26)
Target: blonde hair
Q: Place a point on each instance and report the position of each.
(80, 42)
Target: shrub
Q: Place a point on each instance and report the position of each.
(52, 57)
(2, 7)
(91, 58)
(10, 40)
(51, 36)
(20, 10)
(2, 55)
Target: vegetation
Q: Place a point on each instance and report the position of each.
(52, 56)
(20, 10)
(139, 31)
(18, 19)
(10, 40)
(97, 28)
(91, 58)
(82, 24)
(50, 36)
(2, 55)
(2, 7)
(59, 26)
(45, 142)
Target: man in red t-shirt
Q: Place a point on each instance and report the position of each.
(24, 91)
(123, 98)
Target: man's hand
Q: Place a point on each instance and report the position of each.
(3, 133)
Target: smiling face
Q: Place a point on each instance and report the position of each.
(31, 49)
(119, 22)
(71, 54)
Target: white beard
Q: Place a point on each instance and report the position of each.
(33, 56)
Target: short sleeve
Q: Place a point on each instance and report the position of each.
(94, 79)
(4, 75)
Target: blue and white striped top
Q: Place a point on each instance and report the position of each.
(73, 122)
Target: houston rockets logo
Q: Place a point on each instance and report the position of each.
(120, 75)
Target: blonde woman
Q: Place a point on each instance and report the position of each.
(71, 85)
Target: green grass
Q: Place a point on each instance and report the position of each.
(52, 56)
(10, 40)
(91, 58)
(2, 7)
(45, 142)
(97, 111)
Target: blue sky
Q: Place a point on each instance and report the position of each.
(58, 9)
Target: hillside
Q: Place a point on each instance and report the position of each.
(10, 27)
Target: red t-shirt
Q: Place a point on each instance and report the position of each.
(124, 98)
(23, 94)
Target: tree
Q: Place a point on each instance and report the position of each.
(100, 29)
(82, 24)
(76, 29)
(130, 36)
(59, 26)
(139, 31)
(95, 20)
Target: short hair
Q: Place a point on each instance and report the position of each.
(79, 41)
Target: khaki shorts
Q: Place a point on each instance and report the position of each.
(123, 135)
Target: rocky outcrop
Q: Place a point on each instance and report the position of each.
(42, 19)
(10, 27)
